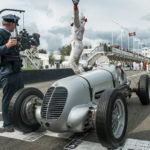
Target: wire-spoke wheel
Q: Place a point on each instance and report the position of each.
(118, 118)
(111, 118)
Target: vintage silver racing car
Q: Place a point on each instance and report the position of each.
(94, 99)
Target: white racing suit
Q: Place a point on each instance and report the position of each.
(76, 43)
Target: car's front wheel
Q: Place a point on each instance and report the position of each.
(22, 109)
(111, 119)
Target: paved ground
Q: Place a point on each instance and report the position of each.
(138, 124)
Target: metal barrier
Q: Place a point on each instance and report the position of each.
(35, 76)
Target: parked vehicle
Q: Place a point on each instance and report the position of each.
(94, 99)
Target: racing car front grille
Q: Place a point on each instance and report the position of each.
(46, 101)
(54, 102)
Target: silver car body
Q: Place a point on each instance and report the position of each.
(67, 102)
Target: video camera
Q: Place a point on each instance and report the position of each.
(26, 41)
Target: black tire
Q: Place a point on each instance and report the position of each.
(104, 119)
(144, 89)
(15, 109)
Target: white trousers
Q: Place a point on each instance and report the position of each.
(77, 48)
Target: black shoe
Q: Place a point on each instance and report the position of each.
(9, 128)
(2, 130)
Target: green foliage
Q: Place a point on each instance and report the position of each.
(51, 59)
(41, 67)
(62, 58)
(46, 67)
(65, 50)
(42, 51)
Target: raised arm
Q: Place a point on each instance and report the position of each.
(76, 14)
(84, 21)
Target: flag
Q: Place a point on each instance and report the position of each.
(132, 34)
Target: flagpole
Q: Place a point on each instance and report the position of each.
(128, 42)
(133, 43)
(112, 38)
(121, 39)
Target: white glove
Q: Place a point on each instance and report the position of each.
(75, 2)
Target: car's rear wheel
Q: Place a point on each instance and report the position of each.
(144, 89)
(22, 109)
(111, 119)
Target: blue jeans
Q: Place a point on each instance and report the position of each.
(11, 84)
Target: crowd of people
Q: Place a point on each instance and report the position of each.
(142, 66)
(107, 47)
(129, 51)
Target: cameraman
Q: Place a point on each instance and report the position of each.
(10, 67)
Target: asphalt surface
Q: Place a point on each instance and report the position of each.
(138, 123)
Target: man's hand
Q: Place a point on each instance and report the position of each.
(11, 43)
(75, 2)
(33, 46)
(85, 19)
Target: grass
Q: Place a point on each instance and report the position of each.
(29, 69)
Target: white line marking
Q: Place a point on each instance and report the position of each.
(134, 144)
(138, 74)
(130, 144)
(31, 137)
(58, 135)
(85, 145)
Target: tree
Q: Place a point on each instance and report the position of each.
(41, 67)
(62, 58)
(42, 51)
(65, 50)
(46, 66)
(51, 59)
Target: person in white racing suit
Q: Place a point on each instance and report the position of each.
(77, 37)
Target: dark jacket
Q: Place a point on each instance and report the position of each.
(6, 54)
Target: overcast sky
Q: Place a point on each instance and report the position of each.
(51, 18)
